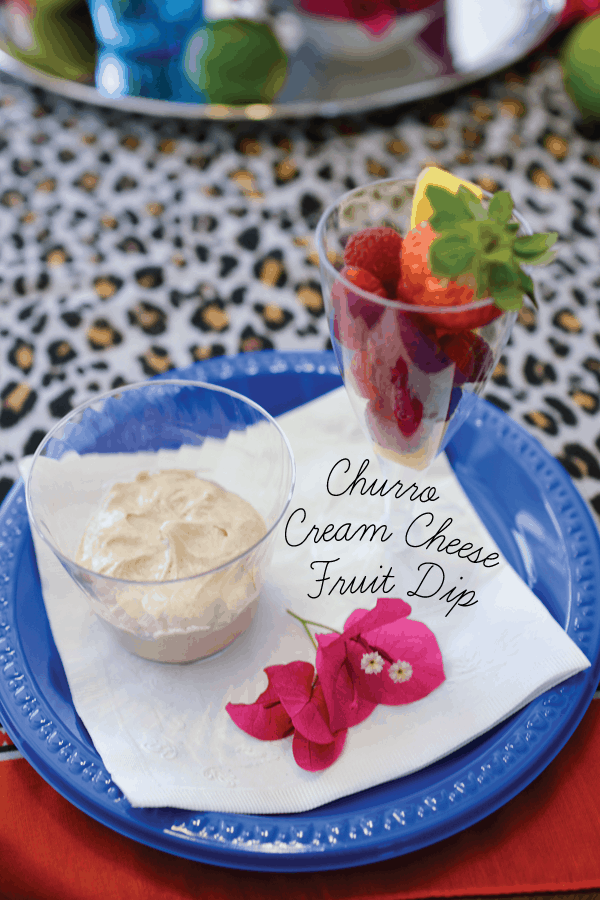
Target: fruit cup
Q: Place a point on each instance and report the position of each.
(412, 349)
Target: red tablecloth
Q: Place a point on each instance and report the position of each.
(546, 839)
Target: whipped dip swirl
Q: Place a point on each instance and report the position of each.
(172, 525)
(168, 525)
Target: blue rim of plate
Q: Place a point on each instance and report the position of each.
(540, 523)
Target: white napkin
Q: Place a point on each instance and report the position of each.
(162, 731)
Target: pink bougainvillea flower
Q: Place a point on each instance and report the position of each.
(266, 718)
(411, 667)
(344, 704)
(314, 757)
(302, 699)
(293, 704)
(315, 746)
(381, 657)
(372, 663)
(386, 611)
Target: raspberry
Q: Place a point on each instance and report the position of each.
(420, 343)
(378, 251)
(353, 316)
(363, 279)
(358, 307)
(460, 348)
(470, 353)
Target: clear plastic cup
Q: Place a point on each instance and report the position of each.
(218, 434)
(410, 371)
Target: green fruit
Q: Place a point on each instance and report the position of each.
(59, 39)
(580, 58)
(236, 62)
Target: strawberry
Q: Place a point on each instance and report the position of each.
(418, 286)
(360, 371)
(466, 252)
(378, 251)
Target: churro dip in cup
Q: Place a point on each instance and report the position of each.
(161, 501)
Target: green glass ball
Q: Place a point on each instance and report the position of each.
(58, 38)
(580, 60)
(236, 62)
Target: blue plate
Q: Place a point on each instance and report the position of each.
(542, 526)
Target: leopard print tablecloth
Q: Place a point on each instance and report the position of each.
(130, 246)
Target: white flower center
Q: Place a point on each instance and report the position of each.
(371, 663)
(400, 671)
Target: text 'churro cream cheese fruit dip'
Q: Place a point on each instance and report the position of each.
(171, 526)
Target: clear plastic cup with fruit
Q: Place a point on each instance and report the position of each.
(422, 283)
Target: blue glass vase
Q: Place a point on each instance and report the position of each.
(141, 47)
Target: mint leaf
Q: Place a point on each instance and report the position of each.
(534, 245)
(509, 299)
(541, 260)
(444, 219)
(490, 237)
(501, 207)
(450, 255)
(502, 278)
(448, 209)
(472, 203)
(502, 255)
(482, 280)
(505, 287)
(527, 286)
(481, 241)
(470, 230)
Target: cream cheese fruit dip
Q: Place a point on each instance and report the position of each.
(171, 526)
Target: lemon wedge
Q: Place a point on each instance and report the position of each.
(421, 208)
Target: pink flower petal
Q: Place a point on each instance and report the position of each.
(314, 757)
(345, 706)
(265, 719)
(387, 610)
(406, 641)
(302, 700)
(313, 721)
(293, 683)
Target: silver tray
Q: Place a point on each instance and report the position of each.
(333, 69)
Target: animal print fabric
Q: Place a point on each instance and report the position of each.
(129, 246)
